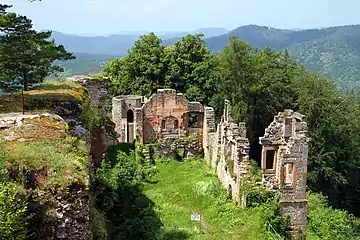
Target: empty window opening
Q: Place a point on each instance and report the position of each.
(170, 125)
(130, 116)
(176, 124)
(270, 159)
(288, 175)
(193, 121)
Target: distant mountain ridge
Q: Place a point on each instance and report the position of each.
(333, 51)
(118, 44)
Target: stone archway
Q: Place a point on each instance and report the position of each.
(130, 116)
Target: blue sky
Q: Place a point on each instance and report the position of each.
(101, 17)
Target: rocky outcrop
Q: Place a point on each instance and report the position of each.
(62, 212)
(30, 127)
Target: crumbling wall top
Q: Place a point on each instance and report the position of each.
(286, 124)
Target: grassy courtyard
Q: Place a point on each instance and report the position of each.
(182, 188)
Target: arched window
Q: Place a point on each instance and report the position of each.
(130, 116)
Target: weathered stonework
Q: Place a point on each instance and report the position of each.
(226, 149)
(179, 147)
(166, 114)
(284, 165)
(165, 117)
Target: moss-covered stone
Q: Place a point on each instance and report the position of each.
(44, 99)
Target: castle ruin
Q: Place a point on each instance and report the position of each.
(168, 114)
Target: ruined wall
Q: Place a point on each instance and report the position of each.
(124, 116)
(179, 147)
(167, 105)
(284, 165)
(165, 114)
(226, 149)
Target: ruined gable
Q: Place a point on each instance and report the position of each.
(166, 114)
(284, 165)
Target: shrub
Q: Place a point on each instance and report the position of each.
(258, 196)
(12, 212)
(116, 193)
(208, 188)
(325, 222)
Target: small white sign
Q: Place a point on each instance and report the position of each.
(195, 217)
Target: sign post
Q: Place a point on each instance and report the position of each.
(196, 218)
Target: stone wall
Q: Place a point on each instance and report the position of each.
(166, 114)
(226, 149)
(284, 165)
(284, 159)
(179, 147)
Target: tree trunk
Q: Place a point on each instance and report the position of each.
(25, 88)
(25, 83)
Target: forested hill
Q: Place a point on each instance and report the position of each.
(333, 51)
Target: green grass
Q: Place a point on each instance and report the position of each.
(179, 189)
(57, 163)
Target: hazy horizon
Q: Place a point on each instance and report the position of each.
(105, 17)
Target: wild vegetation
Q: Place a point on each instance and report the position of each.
(40, 164)
(259, 83)
(136, 202)
(333, 51)
(130, 201)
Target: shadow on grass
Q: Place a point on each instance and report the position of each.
(113, 151)
(152, 181)
(131, 214)
(117, 194)
(176, 234)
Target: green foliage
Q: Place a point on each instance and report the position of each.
(258, 196)
(91, 115)
(187, 67)
(13, 219)
(116, 193)
(64, 157)
(276, 222)
(35, 54)
(210, 188)
(256, 172)
(327, 223)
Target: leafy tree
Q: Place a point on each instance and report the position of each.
(333, 121)
(26, 56)
(326, 223)
(187, 67)
(142, 71)
(190, 68)
(257, 82)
